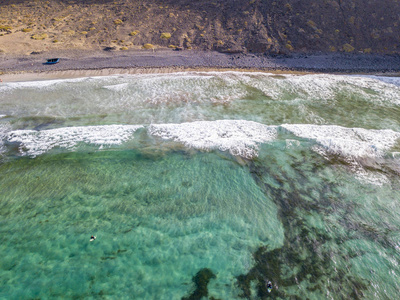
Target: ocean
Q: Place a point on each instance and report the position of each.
(200, 185)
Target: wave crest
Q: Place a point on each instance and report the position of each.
(352, 142)
(239, 137)
(37, 142)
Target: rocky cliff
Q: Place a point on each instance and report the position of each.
(262, 26)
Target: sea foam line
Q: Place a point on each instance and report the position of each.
(37, 142)
(4, 129)
(239, 137)
(310, 87)
(351, 142)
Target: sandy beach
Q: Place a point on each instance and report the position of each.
(76, 63)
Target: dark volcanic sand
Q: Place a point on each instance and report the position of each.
(82, 60)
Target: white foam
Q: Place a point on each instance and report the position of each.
(352, 142)
(367, 176)
(117, 87)
(325, 87)
(292, 143)
(2, 116)
(4, 129)
(387, 79)
(10, 87)
(239, 137)
(37, 142)
(45, 83)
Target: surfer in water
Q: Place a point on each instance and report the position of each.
(92, 238)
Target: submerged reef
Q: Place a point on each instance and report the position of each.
(306, 258)
(201, 280)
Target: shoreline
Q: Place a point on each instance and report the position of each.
(71, 74)
(74, 64)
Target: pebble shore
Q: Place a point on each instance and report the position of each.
(98, 60)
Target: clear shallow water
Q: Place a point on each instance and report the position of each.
(200, 184)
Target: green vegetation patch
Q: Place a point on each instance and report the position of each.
(311, 23)
(348, 48)
(367, 50)
(133, 33)
(289, 46)
(69, 32)
(118, 22)
(165, 35)
(41, 36)
(27, 30)
(5, 27)
(148, 46)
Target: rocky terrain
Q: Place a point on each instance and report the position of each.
(232, 26)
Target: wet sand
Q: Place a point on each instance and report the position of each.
(100, 63)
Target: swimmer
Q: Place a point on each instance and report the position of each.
(92, 238)
(269, 286)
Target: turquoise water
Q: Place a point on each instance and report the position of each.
(200, 185)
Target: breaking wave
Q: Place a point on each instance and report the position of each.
(238, 137)
(34, 142)
(353, 142)
(4, 129)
